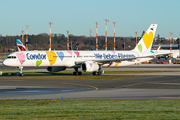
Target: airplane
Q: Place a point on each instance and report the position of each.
(88, 61)
(174, 54)
(20, 46)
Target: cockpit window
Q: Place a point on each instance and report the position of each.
(11, 57)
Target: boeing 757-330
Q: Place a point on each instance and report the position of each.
(88, 61)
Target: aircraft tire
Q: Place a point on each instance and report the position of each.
(79, 73)
(99, 73)
(94, 73)
(21, 74)
(75, 73)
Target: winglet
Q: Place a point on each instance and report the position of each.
(146, 41)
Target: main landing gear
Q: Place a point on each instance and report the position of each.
(76, 72)
(98, 73)
(20, 71)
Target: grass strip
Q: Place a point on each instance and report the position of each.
(90, 109)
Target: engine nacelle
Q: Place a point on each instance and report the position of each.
(90, 66)
(56, 69)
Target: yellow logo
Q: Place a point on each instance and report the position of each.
(51, 56)
(148, 39)
(116, 63)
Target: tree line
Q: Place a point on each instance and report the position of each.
(59, 42)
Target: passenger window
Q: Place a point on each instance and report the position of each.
(11, 57)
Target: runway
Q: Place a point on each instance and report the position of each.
(144, 86)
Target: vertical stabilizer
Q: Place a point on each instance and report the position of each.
(20, 46)
(146, 41)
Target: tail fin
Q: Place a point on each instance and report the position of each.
(146, 41)
(20, 46)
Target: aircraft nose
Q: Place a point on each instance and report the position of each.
(4, 62)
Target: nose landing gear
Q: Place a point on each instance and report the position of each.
(20, 71)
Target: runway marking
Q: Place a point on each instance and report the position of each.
(140, 83)
(126, 85)
(161, 81)
(82, 85)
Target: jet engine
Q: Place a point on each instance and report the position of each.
(55, 69)
(90, 66)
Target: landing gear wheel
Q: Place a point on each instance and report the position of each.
(21, 74)
(94, 73)
(75, 73)
(99, 73)
(20, 71)
(79, 73)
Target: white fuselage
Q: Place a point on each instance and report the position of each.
(175, 53)
(68, 58)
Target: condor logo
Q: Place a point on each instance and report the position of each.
(36, 56)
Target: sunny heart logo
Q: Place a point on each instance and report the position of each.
(38, 62)
(21, 57)
(148, 39)
(116, 63)
(77, 53)
(69, 52)
(61, 55)
(140, 47)
(51, 56)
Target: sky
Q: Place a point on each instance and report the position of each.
(79, 16)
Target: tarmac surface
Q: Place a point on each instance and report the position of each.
(163, 85)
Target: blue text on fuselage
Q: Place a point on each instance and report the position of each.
(121, 55)
(36, 56)
(113, 56)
